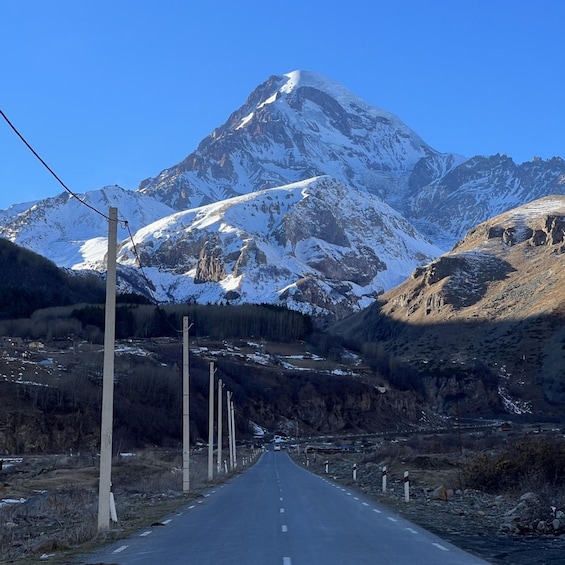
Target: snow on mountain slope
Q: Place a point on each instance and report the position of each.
(328, 259)
(445, 209)
(68, 232)
(300, 125)
(315, 246)
(291, 128)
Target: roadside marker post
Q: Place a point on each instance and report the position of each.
(354, 471)
(113, 513)
(384, 479)
(406, 487)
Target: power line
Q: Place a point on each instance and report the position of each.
(125, 222)
(50, 169)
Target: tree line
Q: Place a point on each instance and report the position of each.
(145, 321)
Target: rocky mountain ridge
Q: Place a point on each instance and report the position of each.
(485, 316)
(316, 246)
(293, 128)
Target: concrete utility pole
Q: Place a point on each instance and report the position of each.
(106, 425)
(230, 429)
(220, 398)
(185, 407)
(211, 424)
(232, 413)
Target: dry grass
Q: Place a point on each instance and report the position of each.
(60, 514)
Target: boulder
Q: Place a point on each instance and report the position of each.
(442, 493)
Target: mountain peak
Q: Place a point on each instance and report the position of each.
(311, 79)
(291, 128)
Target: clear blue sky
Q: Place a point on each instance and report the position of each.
(114, 91)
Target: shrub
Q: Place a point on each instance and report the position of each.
(538, 462)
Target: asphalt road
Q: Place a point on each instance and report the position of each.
(277, 513)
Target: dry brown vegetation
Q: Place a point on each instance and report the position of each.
(60, 514)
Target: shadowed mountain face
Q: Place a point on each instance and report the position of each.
(489, 312)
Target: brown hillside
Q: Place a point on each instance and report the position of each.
(492, 307)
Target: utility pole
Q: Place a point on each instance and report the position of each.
(220, 398)
(211, 424)
(230, 429)
(185, 407)
(232, 413)
(106, 425)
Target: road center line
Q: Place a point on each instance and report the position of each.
(365, 504)
(284, 528)
(282, 510)
(168, 521)
(145, 533)
(392, 519)
(439, 546)
(412, 530)
(377, 511)
(287, 561)
(120, 549)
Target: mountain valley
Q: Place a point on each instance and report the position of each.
(310, 199)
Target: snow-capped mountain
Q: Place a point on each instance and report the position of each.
(294, 127)
(445, 209)
(285, 203)
(299, 125)
(71, 234)
(316, 246)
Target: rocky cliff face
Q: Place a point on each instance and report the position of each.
(318, 246)
(446, 207)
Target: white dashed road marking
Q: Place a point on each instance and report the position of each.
(120, 549)
(439, 546)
